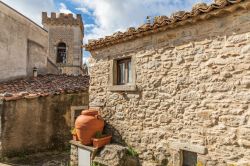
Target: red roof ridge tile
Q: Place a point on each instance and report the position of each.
(159, 23)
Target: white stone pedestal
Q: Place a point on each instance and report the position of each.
(81, 155)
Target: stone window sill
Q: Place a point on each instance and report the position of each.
(116, 88)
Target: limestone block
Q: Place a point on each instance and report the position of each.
(236, 39)
(244, 133)
(243, 142)
(182, 47)
(147, 53)
(232, 120)
(237, 111)
(119, 115)
(245, 82)
(179, 60)
(204, 42)
(153, 64)
(205, 114)
(245, 49)
(167, 65)
(115, 155)
(189, 147)
(167, 57)
(164, 119)
(239, 163)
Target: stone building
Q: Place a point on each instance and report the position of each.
(24, 45)
(65, 41)
(177, 90)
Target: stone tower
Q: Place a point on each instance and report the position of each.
(65, 41)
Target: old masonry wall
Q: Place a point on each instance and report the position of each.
(38, 124)
(23, 45)
(192, 92)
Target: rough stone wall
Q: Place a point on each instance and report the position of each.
(17, 32)
(192, 87)
(30, 125)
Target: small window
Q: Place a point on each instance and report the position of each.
(189, 158)
(124, 73)
(61, 53)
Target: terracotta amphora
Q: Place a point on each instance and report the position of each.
(87, 124)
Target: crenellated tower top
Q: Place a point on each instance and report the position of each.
(62, 19)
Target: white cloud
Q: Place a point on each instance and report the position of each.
(89, 25)
(84, 10)
(109, 15)
(114, 15)
(63, 9)
(32, 8)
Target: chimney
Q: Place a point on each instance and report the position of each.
(35, 72)
(148, 19)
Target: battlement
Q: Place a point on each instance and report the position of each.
(62, 19)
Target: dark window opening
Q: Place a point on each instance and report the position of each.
(61, 53)
(189, 158)
(124, 72)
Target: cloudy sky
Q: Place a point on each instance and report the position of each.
(103, 17)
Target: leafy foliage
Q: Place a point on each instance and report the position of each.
(99, 134)
(73, 131)
(95, 164)
(132, 152)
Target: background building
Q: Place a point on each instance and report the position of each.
(65, 41)
(24, 45)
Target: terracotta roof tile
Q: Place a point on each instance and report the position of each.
(43, 85)
(160, 23)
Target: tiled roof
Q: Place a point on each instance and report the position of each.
(43, 85)
(162, 23)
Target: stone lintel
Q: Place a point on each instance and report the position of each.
(122, 88)
(188, 147)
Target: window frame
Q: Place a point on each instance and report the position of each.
(113, 76)
(126, 79)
